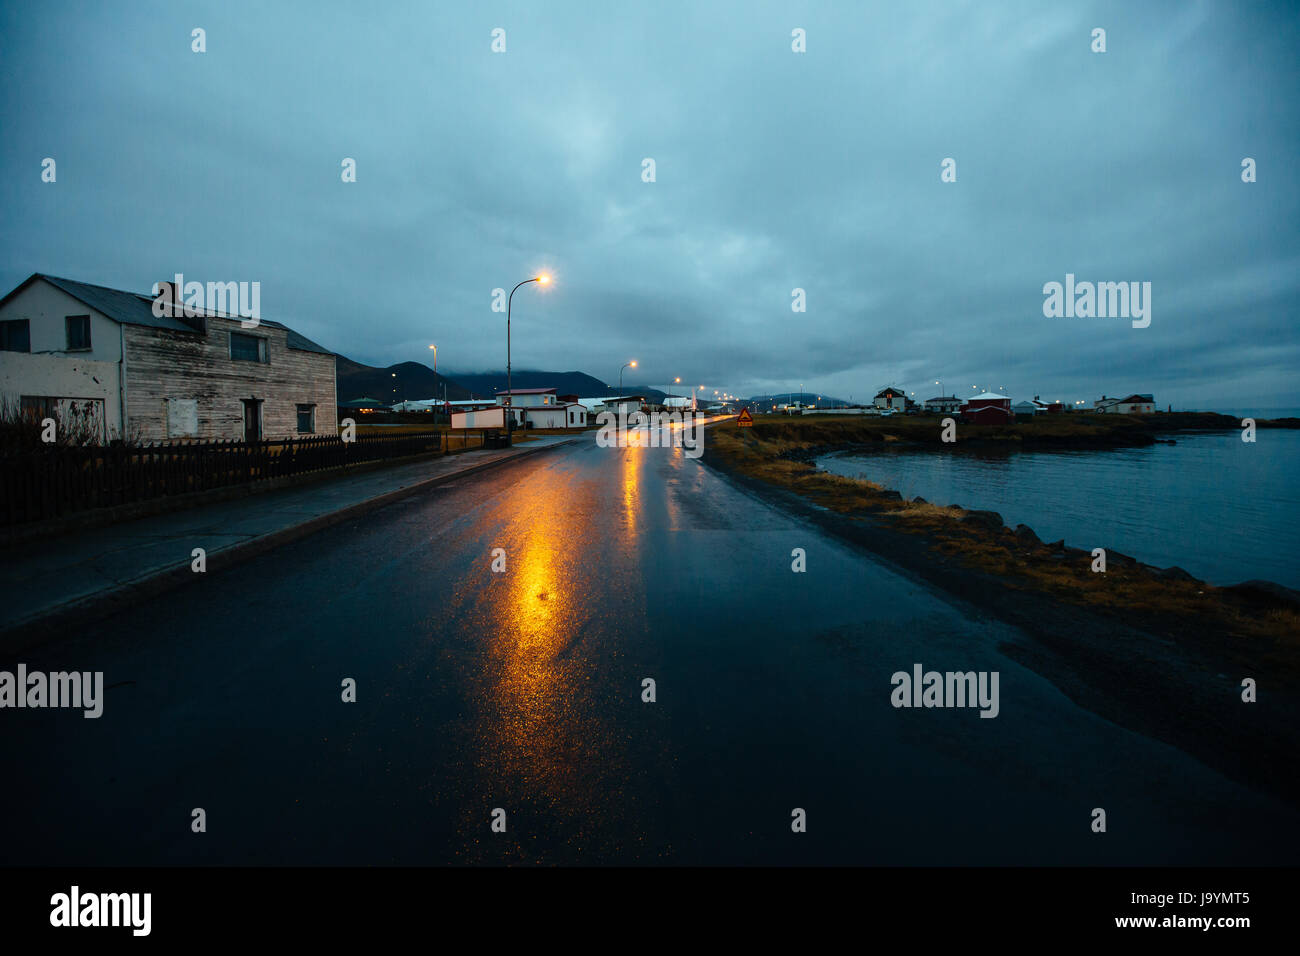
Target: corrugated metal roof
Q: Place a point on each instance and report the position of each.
(128, 308)
(131, 308)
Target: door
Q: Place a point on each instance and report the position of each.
(252, 419)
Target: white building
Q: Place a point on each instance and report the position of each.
(943, 405)
(103, 358)
(541, 408)
(891, 397)
(1131, 405)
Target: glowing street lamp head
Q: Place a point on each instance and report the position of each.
(632, 363)
(543, 279)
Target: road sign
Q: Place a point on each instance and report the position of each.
(745, 420)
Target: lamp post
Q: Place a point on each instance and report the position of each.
(542, 279)
(631, 364)
(435, 358)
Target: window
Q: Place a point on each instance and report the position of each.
(78, 333)
(38, 407)
(16, 336)
(247, 348)
(307, 419)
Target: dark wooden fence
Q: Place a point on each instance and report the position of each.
(35, 485)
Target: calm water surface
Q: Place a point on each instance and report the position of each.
(1222, 509)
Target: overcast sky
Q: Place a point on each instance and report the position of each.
(774, 170)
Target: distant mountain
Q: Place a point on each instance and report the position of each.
(565, 383)
(414, 380)
(821, 400)
(396, 383)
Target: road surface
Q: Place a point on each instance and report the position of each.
(522, 690)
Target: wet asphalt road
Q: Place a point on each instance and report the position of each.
(522, 690)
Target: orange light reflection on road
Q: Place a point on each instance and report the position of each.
(631, 468)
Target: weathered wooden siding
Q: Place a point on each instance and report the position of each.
(163, 365)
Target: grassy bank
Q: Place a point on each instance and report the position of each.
(1060, 431)
(774, 450)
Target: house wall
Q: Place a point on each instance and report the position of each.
(46, 307)
(164, 367)
(551, 417)
(49, 370)
(988, 413)
(64, 377)
(528, 401)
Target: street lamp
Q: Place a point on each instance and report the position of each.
(542, 279)
(631, 364)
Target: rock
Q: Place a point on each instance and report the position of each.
(1026, 534)
(1266, 594)
(918, 500)
(1058, 546)
(893, 495)
(983, 519)
(1120, 560)
(1174, 573)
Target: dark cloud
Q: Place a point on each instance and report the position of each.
(775, 171)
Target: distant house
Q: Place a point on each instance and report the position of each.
(1050, 408)
(1129, 405)
(624, 404)
(1027, 410)
(132, 373)
(542, 408)
(891, 397)
(988, 408)
(364, 405)
(943, 405)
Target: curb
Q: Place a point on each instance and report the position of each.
(48, 624)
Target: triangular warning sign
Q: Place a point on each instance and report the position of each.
(745, 418)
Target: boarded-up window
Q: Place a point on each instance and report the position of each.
(80, 421)
(182, 418)
(306, 418)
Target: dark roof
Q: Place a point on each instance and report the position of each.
(944, 398)
(131, 308)
(1138, 400)
(527, 391)
(889, 389)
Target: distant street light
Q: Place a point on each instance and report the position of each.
(631, 364)
(542, 279)
(435, 358)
